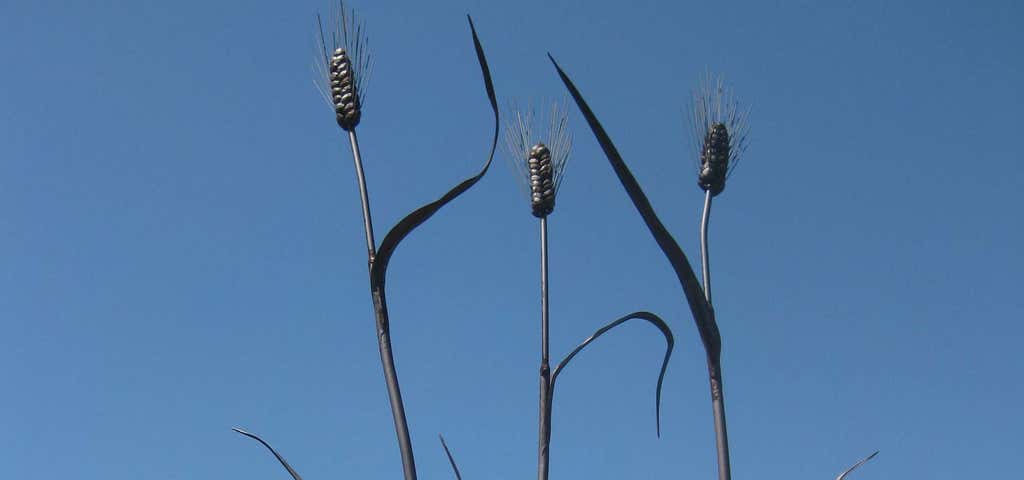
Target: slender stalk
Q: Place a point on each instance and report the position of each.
(363, 195)
(544, 431)
(380, 310)
(714, 362)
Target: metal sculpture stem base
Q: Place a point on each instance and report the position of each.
(718, 409)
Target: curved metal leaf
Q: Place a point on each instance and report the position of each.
(654, 320)
(294, 474)
(858, 464)
(702, 312)
(387, 247)
(451, 459)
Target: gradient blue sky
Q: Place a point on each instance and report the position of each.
(182, 250)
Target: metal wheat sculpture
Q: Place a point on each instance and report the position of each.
(540, 158)
(343, 62)
(719, 129)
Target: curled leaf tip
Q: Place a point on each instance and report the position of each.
(669, 341)
(291, 471)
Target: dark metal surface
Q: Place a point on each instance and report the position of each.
(654, 320)
(542, 180)
(714, 159)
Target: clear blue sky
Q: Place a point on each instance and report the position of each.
(181, 248)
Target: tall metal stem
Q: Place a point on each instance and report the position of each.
(380, 310)
(544, 430)
(714, 361)
(363, 196)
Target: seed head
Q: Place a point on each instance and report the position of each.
(341, 75)
(540, 162)
(719, 129)
(542, 181)
(344, 96)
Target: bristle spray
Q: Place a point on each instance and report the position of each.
(342, 65)
(539, 153)
(719, 129)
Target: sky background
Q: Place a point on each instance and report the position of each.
(181, 248)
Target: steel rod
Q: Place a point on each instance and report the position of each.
(380, 311)
(718, 409)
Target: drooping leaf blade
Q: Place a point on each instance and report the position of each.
(843, 475)
(654, 320)
(291, 471)
(702, 312)
(451, 459)
(378, 271)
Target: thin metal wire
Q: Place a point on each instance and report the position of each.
(347, 31)
(713, 101)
